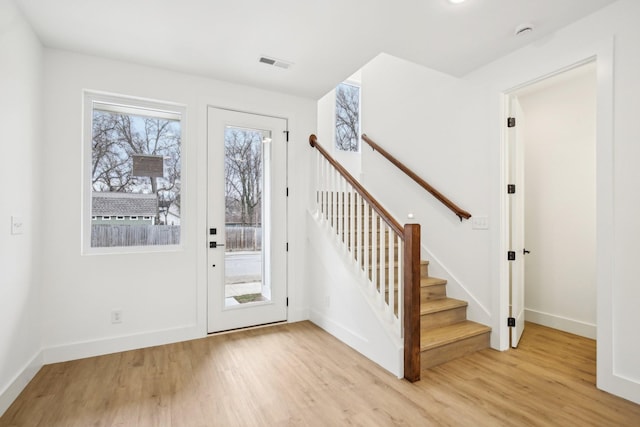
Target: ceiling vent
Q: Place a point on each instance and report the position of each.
(275, 62)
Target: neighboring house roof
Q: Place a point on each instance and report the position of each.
(123, 204)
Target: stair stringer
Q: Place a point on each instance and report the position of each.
(476, 311)
(341, 303)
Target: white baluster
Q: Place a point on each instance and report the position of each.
(323, 196)
(334, 200)
(375, 259)
(321, 187)
(400, 282)
(367, 242)
(341, 182)
(317, 183)
(353, 207)
(392, 275)
(383, 264)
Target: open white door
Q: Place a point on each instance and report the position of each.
(247, 220)
(517, 227)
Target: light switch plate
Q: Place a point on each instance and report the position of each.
(480, 223)
(17, 226)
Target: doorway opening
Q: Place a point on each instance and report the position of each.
(552, 211)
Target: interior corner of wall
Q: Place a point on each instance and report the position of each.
(14, 387)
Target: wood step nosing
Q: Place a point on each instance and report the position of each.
(431, 281)
(451, 304)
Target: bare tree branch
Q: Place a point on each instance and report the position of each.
(347, 117)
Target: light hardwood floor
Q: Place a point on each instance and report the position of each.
(298, 375)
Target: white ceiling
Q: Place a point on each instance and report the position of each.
(326, 40)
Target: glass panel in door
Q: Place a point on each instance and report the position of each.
(244, 167)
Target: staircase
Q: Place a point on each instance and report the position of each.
(434, 327)
(445, 332)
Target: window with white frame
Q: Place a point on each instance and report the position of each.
(134, 163)
(347, 117)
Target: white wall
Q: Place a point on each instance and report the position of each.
(437, 126)
(341, 302)
(162, 294)
(559, 128)
(618, 177)
(20, 114)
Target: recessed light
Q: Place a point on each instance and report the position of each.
(456, 1)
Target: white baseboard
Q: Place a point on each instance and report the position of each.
(81, 350)
(571, 326)
(15, 387)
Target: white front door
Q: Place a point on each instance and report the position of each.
(517, 226)
(247, 219)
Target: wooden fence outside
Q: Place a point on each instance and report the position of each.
(243, 238)
(109, 235)
(239, 238)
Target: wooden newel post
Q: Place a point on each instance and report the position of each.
(412, 302)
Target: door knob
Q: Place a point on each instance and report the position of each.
(524, 252)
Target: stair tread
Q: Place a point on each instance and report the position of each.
(440, 304)
(451, 333)
(431, 281)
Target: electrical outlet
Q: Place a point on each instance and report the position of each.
(116, 316)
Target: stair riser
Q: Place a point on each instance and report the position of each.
(445, 353)
(433, 292)
(424, 270)
(442, 318)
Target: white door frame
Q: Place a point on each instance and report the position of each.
(515, 162)
(603, 53)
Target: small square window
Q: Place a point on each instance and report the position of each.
(146, 218)
(119, 218)
(133, 218)
(106, 218)
(93, 218)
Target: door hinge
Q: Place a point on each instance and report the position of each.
(287, 191)
(511, 189)
(286, 135)
(511, 122)
(287, 246)
(511, 256)
(287, 301)
(511, 322)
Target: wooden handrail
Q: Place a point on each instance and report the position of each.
(386, 216)
(461, 213)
